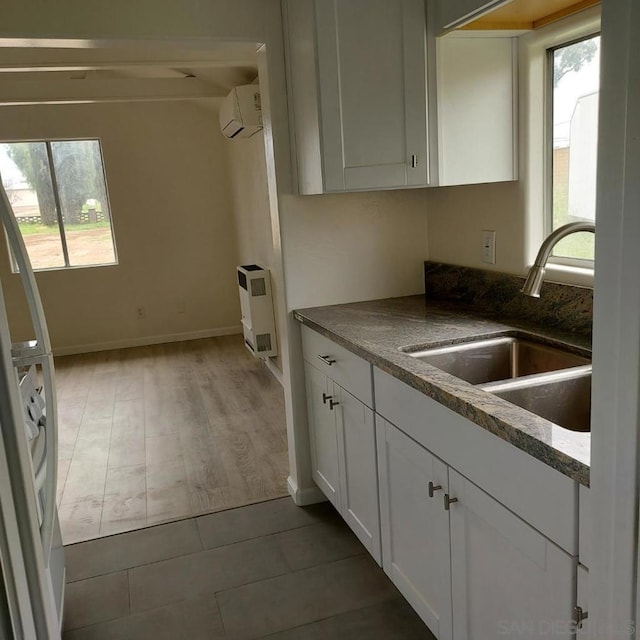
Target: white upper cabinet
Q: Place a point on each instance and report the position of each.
(358, 86)
(454, 13)
(477, 109)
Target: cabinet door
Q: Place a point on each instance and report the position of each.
(582, 626)
(415, 527)
(323, 434)
(359, 482)
(508, 580)
(372, 85)
(477, 114)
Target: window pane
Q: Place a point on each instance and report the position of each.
(83, 201)
(26, 178)
(576, 86)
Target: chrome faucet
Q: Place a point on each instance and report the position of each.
(535, 276)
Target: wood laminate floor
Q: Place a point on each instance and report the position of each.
(153, 434)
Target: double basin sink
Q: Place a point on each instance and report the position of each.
(549, 381)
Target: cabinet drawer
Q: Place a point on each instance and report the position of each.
(540, 495)
(348, 370)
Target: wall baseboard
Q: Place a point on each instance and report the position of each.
(274, 371)
(146, 340)
(304, 497)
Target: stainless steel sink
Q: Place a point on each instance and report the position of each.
(564, 397)
(503, 358)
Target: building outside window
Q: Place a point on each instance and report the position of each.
(574, 81)
(58, 194)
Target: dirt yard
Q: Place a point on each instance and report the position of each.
(86, 247)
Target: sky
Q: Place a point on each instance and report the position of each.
(572, 86)
(8, 170)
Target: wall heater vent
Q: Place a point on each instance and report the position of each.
(256, 304)
(258, 287)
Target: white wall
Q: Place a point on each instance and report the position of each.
(251, 212)
(354, 246)
(458, 215)
(171, 207)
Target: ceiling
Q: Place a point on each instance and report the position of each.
(135, 72)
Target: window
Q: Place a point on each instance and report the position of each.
(574, 87)
(58, 195)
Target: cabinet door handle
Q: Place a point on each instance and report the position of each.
(579, 616)
(332, 403)
(325, 397)
(448, 501)
(433, 488)
(327, 359)
(414, 161)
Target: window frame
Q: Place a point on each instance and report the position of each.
(56, 196)
(580, 263)
(535, 153)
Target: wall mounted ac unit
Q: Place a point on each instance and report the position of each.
(256, 304)
(241, 112)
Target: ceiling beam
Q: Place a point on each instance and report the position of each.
(9, 67)
(64, 91)
(61, 59)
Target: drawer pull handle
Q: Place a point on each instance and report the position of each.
(448, 501)
(579, 616)
(332, 403)
(327, 360)
(433, 488)
(325, 397)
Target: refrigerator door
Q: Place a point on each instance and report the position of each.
(37, 352)
(35, 593)
(30, 599)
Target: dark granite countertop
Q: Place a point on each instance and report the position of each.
(379, 330)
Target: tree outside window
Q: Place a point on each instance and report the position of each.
(58, 194)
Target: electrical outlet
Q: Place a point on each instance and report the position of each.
(489, 247)
(140, 313)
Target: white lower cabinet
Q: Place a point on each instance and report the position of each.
(475, 563)
(582, 608)
(415, 526)
(323, 431)
(471, 568)
(359, 479)
(507, 579)
(343, 455)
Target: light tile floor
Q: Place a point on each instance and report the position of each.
(152, 434)
(269, 570)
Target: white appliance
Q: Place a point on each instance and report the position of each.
(241, 112)
(31, 553)
(256, 304)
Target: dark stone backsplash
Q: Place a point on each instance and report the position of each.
(560, 306)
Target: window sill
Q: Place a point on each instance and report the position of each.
(564, 274)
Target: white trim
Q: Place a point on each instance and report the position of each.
(144, 341)
(567, 274)
(615, 412)
(304, 497)
(534, 113)
(273, 370)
